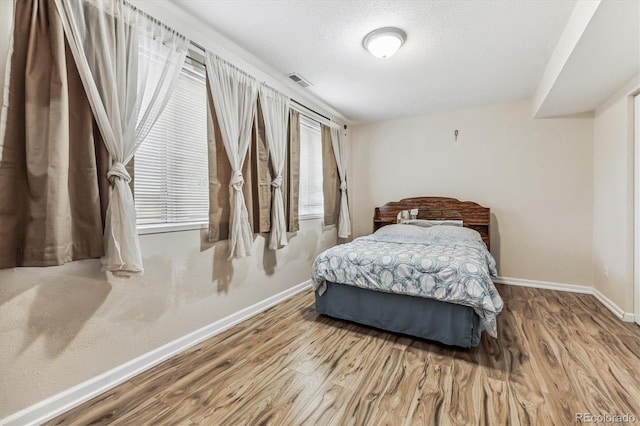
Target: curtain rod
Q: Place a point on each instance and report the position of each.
(205, 50)
(292, 100)
(309, 109)
(154, 19)
(198, 46)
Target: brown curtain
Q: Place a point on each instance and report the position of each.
(220, 177)
(330, 179)
(293, 173)
(262, 176)
(51, 155)
(257, 177)
(262, 173)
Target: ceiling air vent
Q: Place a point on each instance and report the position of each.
(300, 79)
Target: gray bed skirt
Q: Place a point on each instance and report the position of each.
(430, 319)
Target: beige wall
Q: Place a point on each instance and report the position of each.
(613, 196)
(63, 325)
(60, 326)
(535, 175)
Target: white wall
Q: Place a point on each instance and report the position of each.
(535, 175)
(613, 196)
(60, 326)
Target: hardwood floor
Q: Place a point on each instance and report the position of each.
(557, 354)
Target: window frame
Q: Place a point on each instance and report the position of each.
(193, 60)
(319, 215)
(161, 228)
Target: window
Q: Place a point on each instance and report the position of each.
(311, 197)
(171, 166)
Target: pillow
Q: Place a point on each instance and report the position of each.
(401, 234)
(457, 232)
(428, 223)
(441, 234)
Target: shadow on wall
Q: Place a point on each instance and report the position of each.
(62, 307)
(13, 283)
(269, 258)
(194, 282)
(494, 231)
(222, 272)
(143, 300)
(226, 270)
(222, 266)
(302, 244)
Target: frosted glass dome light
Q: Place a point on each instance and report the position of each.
(384, 42)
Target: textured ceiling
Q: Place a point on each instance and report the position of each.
(458, 54)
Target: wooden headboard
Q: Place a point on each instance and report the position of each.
(474, 216)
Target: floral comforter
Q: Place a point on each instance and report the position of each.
(445, 263)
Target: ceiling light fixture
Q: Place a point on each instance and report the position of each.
(384, 42)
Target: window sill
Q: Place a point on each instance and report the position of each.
(170, 227)
(311, 217)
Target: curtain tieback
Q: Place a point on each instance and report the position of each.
(277, 182)
(343, 186)
(118, 170)
(237, 181)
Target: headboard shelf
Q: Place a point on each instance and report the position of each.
(474, 215)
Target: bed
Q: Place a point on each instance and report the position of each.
(425, 272)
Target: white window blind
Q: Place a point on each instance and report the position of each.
(311, 198)
(171, 169)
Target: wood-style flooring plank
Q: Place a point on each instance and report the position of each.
(428, 397)
(557, 354)
(143, 414)
(107, 408)
(321, 405)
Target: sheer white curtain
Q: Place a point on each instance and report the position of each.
(275, 110)
(129, 65)
(235, 94)
(339, 151)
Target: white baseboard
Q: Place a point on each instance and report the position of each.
(547, 285)
(617, 310)
(72, 397)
